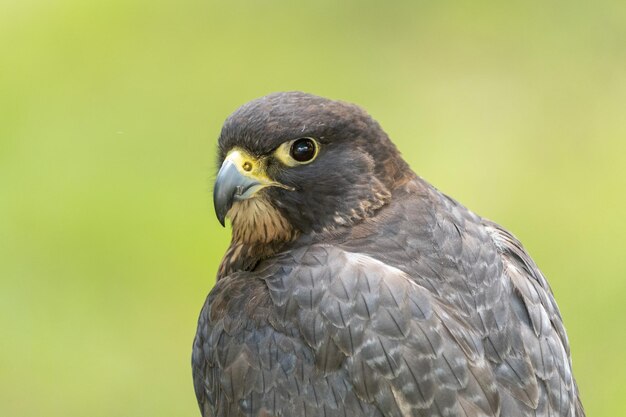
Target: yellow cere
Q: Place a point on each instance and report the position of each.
(249, 165)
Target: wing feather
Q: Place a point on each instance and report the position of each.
(325, 330)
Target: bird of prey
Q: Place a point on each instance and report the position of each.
(352, 287)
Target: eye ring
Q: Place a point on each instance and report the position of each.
(295, 152)
(303, 150)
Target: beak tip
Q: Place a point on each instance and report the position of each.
(222, 201)
(221, 208)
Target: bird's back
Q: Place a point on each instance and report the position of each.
(424, 309)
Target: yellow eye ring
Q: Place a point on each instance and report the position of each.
(296, 152)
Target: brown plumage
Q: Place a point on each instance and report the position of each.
(352, 287)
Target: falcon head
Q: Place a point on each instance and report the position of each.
(294, 163)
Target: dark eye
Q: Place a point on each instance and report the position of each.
(303, 150)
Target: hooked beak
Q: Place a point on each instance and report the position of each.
(240, 177)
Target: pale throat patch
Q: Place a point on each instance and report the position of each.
(256, 220)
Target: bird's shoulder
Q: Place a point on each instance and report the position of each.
(257, 352)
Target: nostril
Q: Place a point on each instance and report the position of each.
(247, 166)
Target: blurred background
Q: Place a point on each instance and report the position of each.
(109, 116)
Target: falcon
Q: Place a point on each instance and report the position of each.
(352, 287)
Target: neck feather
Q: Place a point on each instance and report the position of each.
(259, 231)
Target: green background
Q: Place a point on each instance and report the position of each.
(109, 115)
